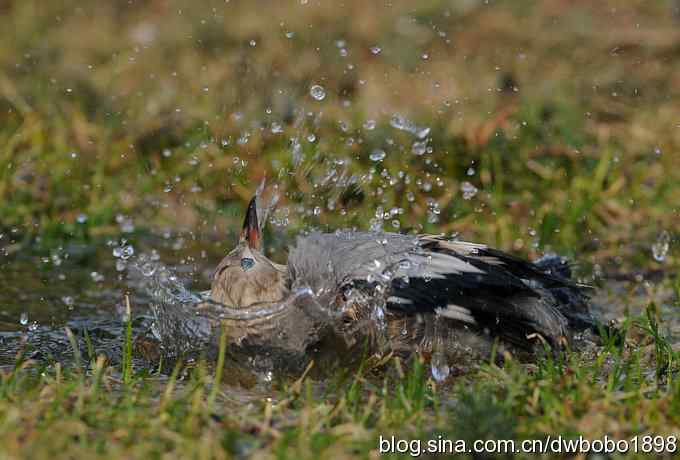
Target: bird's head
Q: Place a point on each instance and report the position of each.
(246, 276)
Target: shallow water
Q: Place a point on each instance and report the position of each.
(82, 288)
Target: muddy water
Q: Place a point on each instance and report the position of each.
(82, 287)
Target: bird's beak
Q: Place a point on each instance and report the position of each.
(251, 229)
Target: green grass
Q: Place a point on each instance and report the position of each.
(565, 111)
(95, 412)
(569, 156)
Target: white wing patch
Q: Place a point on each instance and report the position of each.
(456, 312)
(399, 300)
(461, 247)
(490, 260)
(443, 263)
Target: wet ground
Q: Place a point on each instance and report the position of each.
(83, 288)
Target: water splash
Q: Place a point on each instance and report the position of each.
(296, 151)
(661, 246)
(419, 148)
(402, 123)
(172, 305)
(439, 366)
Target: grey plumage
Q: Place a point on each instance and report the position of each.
(465, 282)
(390, 288)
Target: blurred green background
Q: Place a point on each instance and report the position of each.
(562, 115)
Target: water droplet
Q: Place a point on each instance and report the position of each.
(244, 138)
(661, 246)
(379, 314)
(471, 171)
(422, 132)
(377, 155)
(81, 218)
(148, 269)
(23, 319)
(419, 148)
(317, 92)
(398, 121)
(439, 367)
(402, 123)
(375, 50)
(296, 151)
(68, 301)
(33, 326)
(469, 190)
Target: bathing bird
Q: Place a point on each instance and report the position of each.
(393, 290)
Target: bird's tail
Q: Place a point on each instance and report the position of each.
(574, 299)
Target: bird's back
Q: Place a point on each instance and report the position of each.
(371, 275)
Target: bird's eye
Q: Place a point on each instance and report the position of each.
(247, 263)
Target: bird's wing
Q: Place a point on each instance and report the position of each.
(550, 277)
(466, 282)
(325, 262)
